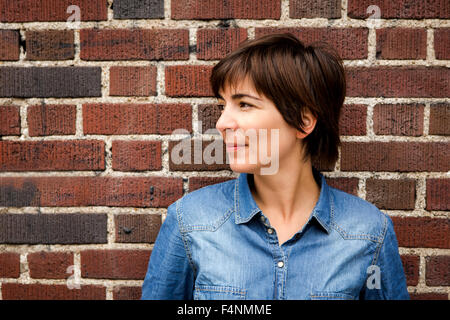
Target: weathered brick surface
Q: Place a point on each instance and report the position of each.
(188, 81)
(403, 120)
(315, 9)
(429, 296)
(50, 265)
(50, 45)
(352, 121)
(89, 191)
(114, 264)
(437, 270)
(127, 293)
(9, 45)
(200, 182)
(391, 194)
(411, 269)
(136, 155)
(19, 291)
(438, 194)
(138, 9)
(9, 120)
(136, 118)
(401, 43)
(52, 155)
(137, 228)
(217, 43)
(349, 185)
(208, 114)
(440, 119)
(9, 265)
(58, 82)
(442, 43)
(52, 228)
(136, 44)
(132, 81)
(46, 120)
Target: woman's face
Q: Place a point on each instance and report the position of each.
(254, 121)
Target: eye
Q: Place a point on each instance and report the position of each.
(245, 105)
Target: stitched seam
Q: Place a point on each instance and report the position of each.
(334, 297)
(236, 198)
(242, 293)
(378, 249)
(185, 242)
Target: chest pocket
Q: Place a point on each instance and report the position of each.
(322, 295)
(219, 293)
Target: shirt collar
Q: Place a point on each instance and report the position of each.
(246, 207)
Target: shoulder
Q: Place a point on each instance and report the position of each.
(356, 218)
(206, 208)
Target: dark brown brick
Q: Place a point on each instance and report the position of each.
(127, 293)
(9, 265)
(19, 291)
(401, 9)
(401, 43)
(233, 9)
(50, 265)
(89, 191)
(429, 296)
(398, 120)
(413, 82)
(442, 43)
(188, 81)
(349, 185)
(391, 194)
(132, 81)
(46, 120)
(52, 155)
(114, 264)
(395, 156)
(217, 43)
(138, 9)
(50, 45)
(136, 44)
(57, 82)
(9, 45)
(200, 182)
(137, 228)
(440, 119)
(49, 10)
(9, 120)
(438, 194)
(315, 9)
(352, 121)
(411, 269)
(136, 155)
(53, 228)
(350, 43)
(437, 270)
(136, 118)
(208, 114)
(421, 232)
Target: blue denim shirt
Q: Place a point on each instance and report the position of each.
(216, 243)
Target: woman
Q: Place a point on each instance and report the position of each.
(278, 231)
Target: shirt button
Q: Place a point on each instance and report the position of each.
(270, 230)
(280, 264)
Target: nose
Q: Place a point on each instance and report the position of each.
(226, 121)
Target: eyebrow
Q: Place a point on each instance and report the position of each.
(239, 96)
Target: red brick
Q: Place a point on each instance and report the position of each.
(437, 270)
(132, 81)
(9, 45)
(136, 155)
(200, 182)
(393, 82)
(217, 43)
(49, 10)
(429, 296)
(136, 118)
(50, 45)
(9, 120)
(127, 293)
(349, 185)
(114, 264)
(208, 114)
(315, 9)
(19, 291)
(438, 194)
(350, 43)
(352, 121)
(411, 269)
(398, 120)
(89, 191)
(188, 81)
(439, 119)
(401, 43)
(233, 9)
(137, 228)
(395, 156)
(134, 44)
(46, 120)
(9, 265)
(421, 232)
(442, 43)
(52, 155)
(391, 194)
(50, 265)
(401, 9)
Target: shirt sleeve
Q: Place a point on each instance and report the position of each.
(169, 274)
(386, 278)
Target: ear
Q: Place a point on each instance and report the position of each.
(309, 123)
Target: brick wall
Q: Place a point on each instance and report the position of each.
(87, 112)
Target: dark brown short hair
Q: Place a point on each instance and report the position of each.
(295, 78)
